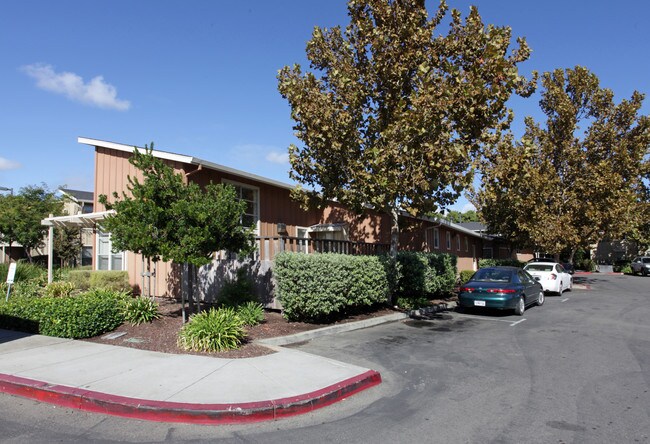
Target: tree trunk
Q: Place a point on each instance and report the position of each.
(573, 252)
(394, 232)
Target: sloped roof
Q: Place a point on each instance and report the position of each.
(87, 196)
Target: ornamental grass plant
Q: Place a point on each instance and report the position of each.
(215, 330)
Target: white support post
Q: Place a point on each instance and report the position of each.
(50, 252)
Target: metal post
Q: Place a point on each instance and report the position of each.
(50, 252)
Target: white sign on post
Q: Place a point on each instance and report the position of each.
(11, 273)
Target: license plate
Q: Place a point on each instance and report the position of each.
(479, 303)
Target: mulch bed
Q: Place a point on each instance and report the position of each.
(161, 334)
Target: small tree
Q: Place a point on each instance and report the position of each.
(399, 109)
(164, 218)
(67, 244)
(578, 179)
(21, 216)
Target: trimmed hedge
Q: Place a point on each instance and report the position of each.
(465, 275)
(80, 279)
(426, 273)
(111, 280)
(83, 316)
(483, 263)
(319, 287)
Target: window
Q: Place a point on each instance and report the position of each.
(86, 255)
(432, 238)
(458, 241)
(466, 243)
(87, 207)
(107, 259)
(250, 195)
(448, 239)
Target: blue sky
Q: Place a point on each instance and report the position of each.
(199, 77)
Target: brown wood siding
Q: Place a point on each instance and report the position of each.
(275, 206)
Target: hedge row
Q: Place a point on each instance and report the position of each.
(483, 263)
(112, 280)
(82, 316)
(318, 287)
(425, 273)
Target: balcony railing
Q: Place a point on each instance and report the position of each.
(269, 246)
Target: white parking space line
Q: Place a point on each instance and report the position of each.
(564, 300)
(490, 319)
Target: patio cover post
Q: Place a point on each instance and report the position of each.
(50, 251)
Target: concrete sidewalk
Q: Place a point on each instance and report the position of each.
(173, 388)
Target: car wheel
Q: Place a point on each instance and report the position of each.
(644, 271)
(634, 273)
(559, 291)
(540, 299)
(521, 307)
(570, 285)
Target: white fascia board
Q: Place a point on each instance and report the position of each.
(87, 220)
(129, 149)
(186, 159)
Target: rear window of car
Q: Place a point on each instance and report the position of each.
(539, 267)
(492, 275)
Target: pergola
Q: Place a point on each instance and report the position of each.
(88, 220)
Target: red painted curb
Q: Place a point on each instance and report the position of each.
(163, 411)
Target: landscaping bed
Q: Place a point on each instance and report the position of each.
(161, 335)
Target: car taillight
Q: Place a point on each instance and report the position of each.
(501, 290)
(553, 276)
(466, 289)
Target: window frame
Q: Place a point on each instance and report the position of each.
(448, 239)
(256, 200)
(110, 255)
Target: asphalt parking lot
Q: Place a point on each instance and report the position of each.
(576, 370)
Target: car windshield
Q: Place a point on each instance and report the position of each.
(539, 267)
(492, 275)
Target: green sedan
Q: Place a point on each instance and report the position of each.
(504, 288)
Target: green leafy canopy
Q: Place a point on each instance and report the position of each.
(580, 178)
(164, 217)
(394, 110)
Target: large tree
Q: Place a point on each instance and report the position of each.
(21, 215)
(575, 180)
(394, 109)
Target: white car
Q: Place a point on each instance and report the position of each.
(553, 277)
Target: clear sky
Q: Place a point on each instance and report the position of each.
(199, 77)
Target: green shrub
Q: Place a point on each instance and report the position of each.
(412, 303)
(82, 316)
(586, 265)
(59, 289)
(112, 280)
(465, 275)
(627, 269)
(31, 288)
(251, 313)
(484, 263)
(320, 287)
(237, 291)
(24, 272)
(80, 279)
(217, 329)
(139, 310)
(426, 273)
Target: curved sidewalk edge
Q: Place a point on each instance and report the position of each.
(162, 411)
